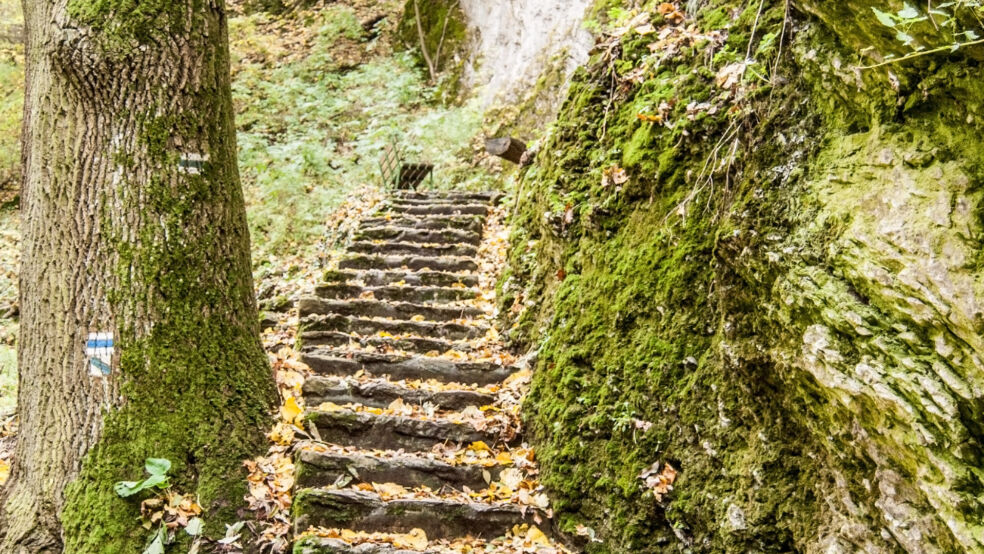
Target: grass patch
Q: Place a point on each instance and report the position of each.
(318, 98)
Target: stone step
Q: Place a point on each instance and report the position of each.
(397, 208)
(316, 340)
(419, 236)
(439, 519)
(321, 545)
(416, 263)
(469, 223)
(398, 368)
(489, 197)
(414, 249)
(391, 432)
(435, 295)
(379, 278)
(311, 305)
(380, 394)
(367, 327)
(322, 469)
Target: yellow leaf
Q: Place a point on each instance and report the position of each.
(504, 458)
(389, 489)
(418, 318)
(290, 410)
(536, 536)
(511, 478)
(4, 471)
(414, 540)
(519, 375)
(479, 446)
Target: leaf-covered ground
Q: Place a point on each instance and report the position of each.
(272, 477)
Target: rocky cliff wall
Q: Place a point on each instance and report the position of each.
(518, 41)
(751, 267)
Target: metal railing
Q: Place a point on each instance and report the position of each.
(400, 174)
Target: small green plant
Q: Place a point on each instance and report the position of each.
(166, 511)
(157, 468)
(945, 18)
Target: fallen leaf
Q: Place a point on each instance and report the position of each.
(290, 410)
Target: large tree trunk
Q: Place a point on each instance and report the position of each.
(134, 224)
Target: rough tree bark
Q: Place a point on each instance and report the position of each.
(134, 224)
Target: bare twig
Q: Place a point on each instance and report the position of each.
(782, 37)
(444, 32)
(913, 55)
(751, 38)
(423, 42)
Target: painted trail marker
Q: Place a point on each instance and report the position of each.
(99, 348)
(192, 164)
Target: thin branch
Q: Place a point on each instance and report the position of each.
(444, 32)
(751, 39)
(782, 37)
(423, 42)
(914, 55)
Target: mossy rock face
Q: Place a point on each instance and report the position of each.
(794, 327)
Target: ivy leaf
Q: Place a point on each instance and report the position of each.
(194, 527)
(156, 545)
(906, 38)
(128, 488)
(884, 18)
(157, 466)
(908, 12)
(159, 481)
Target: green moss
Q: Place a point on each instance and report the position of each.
(125, 24)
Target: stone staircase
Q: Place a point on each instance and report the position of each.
(400, 350)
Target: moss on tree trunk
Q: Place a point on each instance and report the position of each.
(135, 225)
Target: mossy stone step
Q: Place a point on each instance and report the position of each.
(490, 197)
(334, 362)
(311, 305)
(364, 326)
(380, 394)
(439, 519)
(317, 340)
(391, 432)
(435, 295)
(380, 278)
(419, 236)
(469, 223)
(322, 469)
(398, 208)
(413, 249)
(416, 263)
(319, 545)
